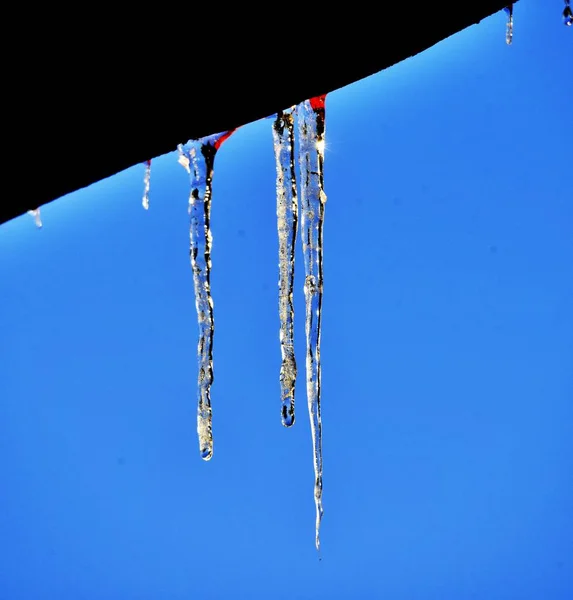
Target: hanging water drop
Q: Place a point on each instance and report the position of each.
(287, 217)
(37, 218)
(311, 129)
(509, 25)
(198, 157)
(146, 183)
(568, 14)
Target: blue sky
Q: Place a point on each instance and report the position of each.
(447, 353)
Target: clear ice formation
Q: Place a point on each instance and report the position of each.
(509, 25)
(37, 218)
(311, 129)
(198, 157)
(146, 183)
(287, 219)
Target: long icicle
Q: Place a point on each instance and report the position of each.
(287, 220)
(198, 157)
(311, 126)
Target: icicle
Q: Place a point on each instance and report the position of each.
(287, 217)
(37, 218)
(311, 126)
(509, 24)
(198, 157)
(146, 182)
(567, 14)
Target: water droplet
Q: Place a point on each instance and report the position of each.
(288, 415)
(207, 453)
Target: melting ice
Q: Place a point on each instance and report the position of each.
(287, 217)
(198, 158)
(311, 129)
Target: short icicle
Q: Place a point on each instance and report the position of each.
(509, 24)
(146, 184)
(37, 217)
(311, 129)
(198, 157)
(287, 218)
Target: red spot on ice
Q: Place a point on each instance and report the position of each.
(217, 143)
(318, 101)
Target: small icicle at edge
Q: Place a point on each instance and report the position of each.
(146, 184)
(509, 24)
(37, 218)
